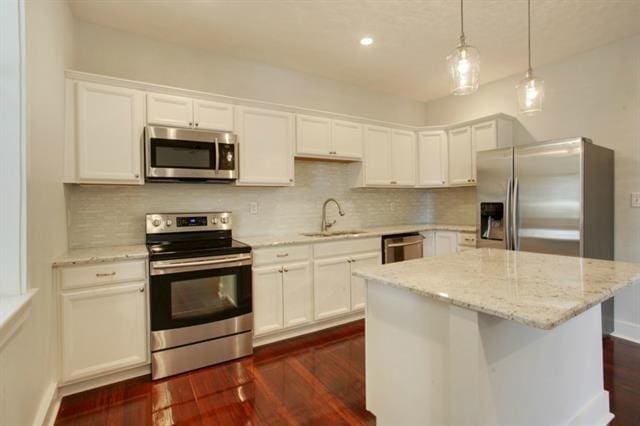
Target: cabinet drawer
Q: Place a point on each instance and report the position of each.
(102, 273)
(466, 239)
(336, 248)
(284, 254)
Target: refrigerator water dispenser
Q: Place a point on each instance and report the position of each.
(491, 221)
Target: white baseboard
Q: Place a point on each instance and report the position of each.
(595, 413)
(84, 385)
(45, 414)
(627, 330)
(306, 329)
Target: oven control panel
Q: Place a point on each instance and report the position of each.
(160, 223)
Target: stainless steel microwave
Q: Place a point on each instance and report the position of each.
(175, 154)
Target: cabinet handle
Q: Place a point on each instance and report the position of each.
(197, 124)
(393, 182)
(105, 274)
(285, 270)
(190, 124)
(280, 270)
(353, 261)
(443, 182)
(290, 180)
(282, 254)
(136, 175)
(141, 290)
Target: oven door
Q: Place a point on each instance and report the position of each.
(193, 292)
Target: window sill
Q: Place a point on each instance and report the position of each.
(14, 310)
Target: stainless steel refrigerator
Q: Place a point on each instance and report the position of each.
(551, 197)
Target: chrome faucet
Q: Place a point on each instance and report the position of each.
(325, 226)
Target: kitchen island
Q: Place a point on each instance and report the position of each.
(487, 337)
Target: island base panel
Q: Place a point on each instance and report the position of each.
(429, 362)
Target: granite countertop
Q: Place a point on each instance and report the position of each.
(88, 255)
(280, 240)
(538, 290)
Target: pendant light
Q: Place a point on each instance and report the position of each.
(463, 64)
(531, 89)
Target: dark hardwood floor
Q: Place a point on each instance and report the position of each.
(315, 379)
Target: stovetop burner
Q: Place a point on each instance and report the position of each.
(183, 235)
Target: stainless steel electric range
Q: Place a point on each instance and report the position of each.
(200, 292)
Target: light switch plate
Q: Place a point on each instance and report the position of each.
(635, 199)
(253, 208)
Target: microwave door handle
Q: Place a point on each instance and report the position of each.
(217, 153)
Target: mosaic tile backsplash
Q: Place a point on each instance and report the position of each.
(114, 215)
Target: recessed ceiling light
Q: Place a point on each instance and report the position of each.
(366, 41)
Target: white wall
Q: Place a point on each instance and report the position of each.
(111, 52)
(26, 360)
(594, 94)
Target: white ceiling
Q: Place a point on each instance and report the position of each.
(412, 38)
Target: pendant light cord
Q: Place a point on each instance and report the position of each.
(529, 31)
(462, 40)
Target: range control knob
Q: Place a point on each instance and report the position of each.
(214, 220)
(225, 219)
(156, 222)
(169, 222)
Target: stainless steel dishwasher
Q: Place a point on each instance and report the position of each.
(399, 247)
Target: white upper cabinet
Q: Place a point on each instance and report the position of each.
(179, 111)
(168, 110)
(403, 158)
(389, 157)
(377, 162)
(109, 124)
(461, 157)
(347, 139)
(313, 136)
(212, 115)
(265, 139)
(325, 138)
(484, 136)
(433, 158)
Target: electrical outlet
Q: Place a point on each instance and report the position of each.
(253, 208)
(635, 199)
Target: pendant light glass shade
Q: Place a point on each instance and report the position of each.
(530, 94)
(463, 64)
(530, 91)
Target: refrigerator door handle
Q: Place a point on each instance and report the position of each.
(507, 216)
(514, 216)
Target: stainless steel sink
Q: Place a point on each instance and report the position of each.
(331, 234)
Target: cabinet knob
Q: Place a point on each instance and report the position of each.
(137, 175)
(281, 270)
(197, 124)
(285, 269)
(290, 180)
(190, 124)
(141, 290)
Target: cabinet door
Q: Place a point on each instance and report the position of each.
(358, 285)
(267, 299)
(103, 330)
(332, 286)
(432, 158)
(484, 136)
(297, 289)
(403, 158)
(377, 147)
(313, 136)
(347, 139)
(109, 123)
(265, 139)
(460, 157)
(212, 115)
(429, 244)
(167, 110)
(446, 243)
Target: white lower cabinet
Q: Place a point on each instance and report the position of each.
(104, 329)
(267, 299)
(358, 285)
(446, 242)
(297, 293)
(332, 287)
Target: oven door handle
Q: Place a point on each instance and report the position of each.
(217, 155)
(159, 267)
(412, 243)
